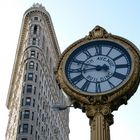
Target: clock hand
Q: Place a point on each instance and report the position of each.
(89, 65)
(98, 68)
(105, 67)
(84, 70)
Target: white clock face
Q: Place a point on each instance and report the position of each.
(98, 67)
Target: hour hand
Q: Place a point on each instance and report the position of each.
(105, 67)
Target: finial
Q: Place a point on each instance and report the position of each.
(98, 32)
(37, 5)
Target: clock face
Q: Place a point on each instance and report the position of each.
(98, 67)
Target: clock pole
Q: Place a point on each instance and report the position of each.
(100, 119)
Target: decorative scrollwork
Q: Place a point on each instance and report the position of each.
(98, 32)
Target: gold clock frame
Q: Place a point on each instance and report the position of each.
(116, 97)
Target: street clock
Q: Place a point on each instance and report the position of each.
(100, 67)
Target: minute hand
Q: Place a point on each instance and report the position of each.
(89, 65)
(98, 68)
(84, 70)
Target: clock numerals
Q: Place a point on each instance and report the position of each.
(78, 61)
(109, 51)
(121, 55)
(75, 70)
(98, 50)
(85, 86)
(98, 87)
(87, 53)
(122, 66)
(111, 84)
(77, 79)
(119, 76)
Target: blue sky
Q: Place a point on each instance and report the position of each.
(72, 20)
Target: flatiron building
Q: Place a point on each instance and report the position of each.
(33, 88)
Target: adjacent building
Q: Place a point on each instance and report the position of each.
(33, 87)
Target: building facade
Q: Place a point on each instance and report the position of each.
(33, 87)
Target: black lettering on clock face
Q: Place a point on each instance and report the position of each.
(122, 66)
(87, 53)
(98, 87)
(119, 76)
(110, 49)
(77, 79)
(78, 61)
(75, 70)
(111, 84)
(85, 86)
(98, 50)
(121, 55)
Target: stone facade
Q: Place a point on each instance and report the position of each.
(33, 87)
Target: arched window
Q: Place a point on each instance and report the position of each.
(28, 101)
(34, 41)
(35, 29)
(31, 65)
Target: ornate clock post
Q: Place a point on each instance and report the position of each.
(99, 73)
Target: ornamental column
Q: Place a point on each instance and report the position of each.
(100, 119)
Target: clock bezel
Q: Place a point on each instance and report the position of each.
(101, 93)
(125, 89)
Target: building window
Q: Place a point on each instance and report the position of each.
(26, 114)
(32, 115)
(36, 66)
(31, 65)
(35, 78)
(19, 129)
(25, 77)
(31, 129)
(34, 90)
(22, 100)
(30, 76)
(28, 101)
(42, 117)
(24, 139)
(26, 66)
(36, 135)
(25, 128)
(20, 115)
(34, 41)
(35, 18)
(33, 52)
(33, 102)
(29, 89)
(23, 89)
(35, 29)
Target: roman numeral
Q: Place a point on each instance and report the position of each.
(98, 87)
(87, 53)
(119, 76)
(109, 51)
(118, 57)
(122, 66)
(76, 79)
(85, 86)
(98, 50)
(111, 84)
(78, 61)
(75, 70)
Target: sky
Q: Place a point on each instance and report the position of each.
(72, 20)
